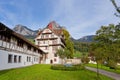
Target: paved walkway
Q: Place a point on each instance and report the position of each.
(107, 73)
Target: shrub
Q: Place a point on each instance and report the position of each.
(67, 68)
(85, 60)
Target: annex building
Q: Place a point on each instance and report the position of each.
(16, 51)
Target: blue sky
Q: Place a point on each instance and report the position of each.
(80, 17)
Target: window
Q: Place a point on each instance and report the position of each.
(55, 55)
(9, 58)
(15, 58)
(47, 35)
(19, 59)
(55, 59)
(34, 59)
(38, 42)
(46, 48)
(43, 42)
(27, 58)
(54, 41)
(0, 37)
(29, 47)
(34, 50)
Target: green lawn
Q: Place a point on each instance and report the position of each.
(43, 72)
(105, 68)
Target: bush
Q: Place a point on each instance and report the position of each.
(67, 68)
(85, 60)
(111, 64)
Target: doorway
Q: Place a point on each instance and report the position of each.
(51, 61)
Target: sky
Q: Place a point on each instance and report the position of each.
(79, 17)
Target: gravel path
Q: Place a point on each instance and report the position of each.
(107, 73)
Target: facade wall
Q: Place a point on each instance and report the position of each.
(25, 60)
(27, 57)
(49, 43)
(14, 47)
(16, 51)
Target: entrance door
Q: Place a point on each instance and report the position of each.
(51, 61)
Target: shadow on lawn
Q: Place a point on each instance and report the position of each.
(5, 71)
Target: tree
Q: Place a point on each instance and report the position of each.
(82, 46)
(107, 45)
(116, 7)
(63, 53)
(69, 43)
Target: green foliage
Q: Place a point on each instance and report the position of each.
(68, 68)
(104, 67)
(77, 54)
(32, 41)
(30, 38)
(116, 7)
(107, 45)
(69, 43)
(44, 72)
(82, 46)
(61, 53)
(85, 60)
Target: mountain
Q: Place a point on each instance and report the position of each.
(72, 39)
(23, 30)
(89, 38)
(31, 34)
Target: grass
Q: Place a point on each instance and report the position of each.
(43, 72)
(105, 68)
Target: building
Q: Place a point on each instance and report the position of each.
(16, 51)
(49, 40)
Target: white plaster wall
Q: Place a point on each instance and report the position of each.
(46, 31)
(47, 61)
(47, 43)
(4, 60)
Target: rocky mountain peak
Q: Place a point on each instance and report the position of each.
(23, 30)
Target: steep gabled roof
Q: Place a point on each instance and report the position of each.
(19, 36)
(54, 27)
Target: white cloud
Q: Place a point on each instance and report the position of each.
(80, 17)
(84, 18)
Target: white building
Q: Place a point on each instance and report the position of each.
(16, 51)
(49, 40)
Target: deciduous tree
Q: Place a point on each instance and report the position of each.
(107, 45)
(69, 43)
(116, 7)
